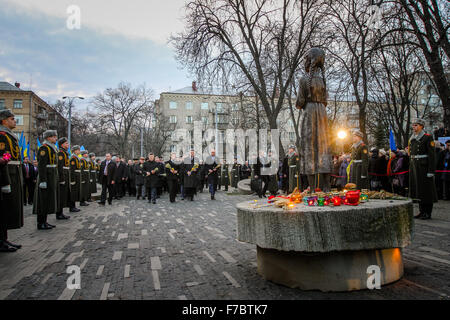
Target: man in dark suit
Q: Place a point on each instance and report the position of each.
(152, 172)
(120, 178)
(107, 178)
(29, 179)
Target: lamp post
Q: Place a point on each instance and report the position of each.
(69, 129)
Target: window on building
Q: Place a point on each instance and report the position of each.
(235, 121)
(205, 106)
(205, 120)
(219, 106)
(173, 148)
(235, 107)
(19, 120)
(2, 104)
(189, 105)
(172, 105)
(189, 119)
(18, 104)
(173, 119)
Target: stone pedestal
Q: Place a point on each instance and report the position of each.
(328, 248)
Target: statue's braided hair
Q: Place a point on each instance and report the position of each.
(315, 59)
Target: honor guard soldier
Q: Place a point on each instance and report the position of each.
(212, 169)
(47, 191)
(235, 173)
(93, 175)
(11, 210)
(172, 169)
(224, 175)
(422, 167)
(64, 178)
(359, 165)
(140, 179)
(75, 176)
(85, 179)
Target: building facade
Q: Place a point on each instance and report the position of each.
(33, 115)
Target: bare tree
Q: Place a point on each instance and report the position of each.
(429, 22)
(262, 41)
(119, 108)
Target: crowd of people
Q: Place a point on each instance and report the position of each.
(60, 179)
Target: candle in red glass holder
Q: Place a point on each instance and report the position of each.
(352, 198)
(336, 201)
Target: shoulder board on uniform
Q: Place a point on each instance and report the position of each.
(3, 133)
(427, 134)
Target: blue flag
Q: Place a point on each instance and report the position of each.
(38, 143)
(82, 148)
(57, 146)
(392, 144)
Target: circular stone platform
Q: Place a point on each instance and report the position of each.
(244, 186)
(328, 248)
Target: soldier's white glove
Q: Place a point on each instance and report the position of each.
(6, 189)
(43, 185)
(430, 175)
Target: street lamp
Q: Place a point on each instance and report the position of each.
(71, 99)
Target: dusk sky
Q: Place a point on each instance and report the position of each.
(118, 41)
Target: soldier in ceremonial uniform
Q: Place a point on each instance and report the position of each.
(359, 165)
(63, 179)
(172, 169)
(235, 174)
(212, 168)
(93, 175)
(47, 192)
(190, 170)
(269, 174)
(11, 210)
(85, 180)
(75, 177)
(422, 167)
(152, 172)
(224, 175)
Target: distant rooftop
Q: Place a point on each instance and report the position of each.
(6, 86)
(193, 89)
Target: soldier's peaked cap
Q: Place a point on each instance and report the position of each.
(5, 114)
(84, 152)
(62, 140)
(91, 155)
(50, 133)
(419, 121)
(358, 133)
(75, 148)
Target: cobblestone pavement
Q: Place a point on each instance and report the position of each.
(187, 250)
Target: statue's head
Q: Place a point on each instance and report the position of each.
(314, 59)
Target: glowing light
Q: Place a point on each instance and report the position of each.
(342, 134)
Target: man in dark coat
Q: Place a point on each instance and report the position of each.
(131, 183)
(212, 167)
(256, 179)
(4, 244)
(63, 179)
(190, 171)
(422, 167)
(11, 212)
(152, 171)
(291, 167)
(120, 178)
(360, 162)
(374, 179)
(161, 177)
(75, 176)
(29, 177)
(172, 169)
(107, 178)
(140, 179)
(47, 193)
